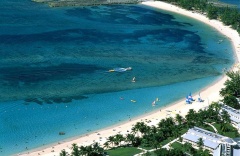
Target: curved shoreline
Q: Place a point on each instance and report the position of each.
(209, 94)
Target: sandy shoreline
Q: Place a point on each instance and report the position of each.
(209, 94)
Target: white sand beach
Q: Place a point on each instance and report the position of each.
(209, 94)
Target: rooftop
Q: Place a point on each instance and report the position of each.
(231, 110)
(234, 114)
(210, 139)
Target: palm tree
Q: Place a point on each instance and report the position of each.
(75, 150)
(170, 121)
(153, 129)
(143, 128)
(216, 106)
(179, 119)
(161, 123)
(106, 145)
(232, 85)
(130, 138)
(166, 127)
(190, 117)
(63, 153)
(111, 140)
(82, 150)
(155, 141)
(137, 141)
(89, 150)
(231, 101)
(200, 143)
(96, 149)
(226, 120)
(135, 130)
(225, 117)
(118, 139)
(161, 134)
(180, 139)
(140, 127)
(201, 117)
(176, 132)
(213, 111)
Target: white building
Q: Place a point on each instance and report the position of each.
(234, 115)
(218, 145)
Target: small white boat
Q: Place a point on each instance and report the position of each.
(153, 103)
(133, 101)
(120, 69)
(133, 80)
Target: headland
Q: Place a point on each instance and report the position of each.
(64, 3)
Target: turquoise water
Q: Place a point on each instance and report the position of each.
(54, 67)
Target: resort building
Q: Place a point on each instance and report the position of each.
(234, 115)
(218, 145)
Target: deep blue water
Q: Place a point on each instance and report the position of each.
(235, 2)
(54, 67)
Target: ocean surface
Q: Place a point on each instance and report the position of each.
(234, 2)
(55, 62)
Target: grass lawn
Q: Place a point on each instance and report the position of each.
(123, 151)
(177, 145)
(153, 154)
(207, 127)
(217, 126)
(164, 142)
(231, 133)
(184, 130)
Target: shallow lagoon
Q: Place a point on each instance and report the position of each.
(54, 67)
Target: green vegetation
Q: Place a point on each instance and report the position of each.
(232, 85)
(232, 89)
(177, 145)
(229, 15)
(63, 3)
(165, 152)
(91, 150)
(187, 148)
(207, 127)
(154, 137)
(123, 151)
(229, 132)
